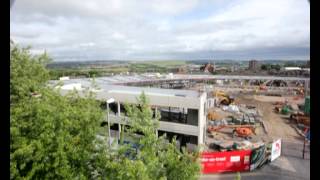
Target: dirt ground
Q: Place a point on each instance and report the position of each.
(290, 165)
(277, 125)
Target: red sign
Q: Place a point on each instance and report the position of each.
(231, 161)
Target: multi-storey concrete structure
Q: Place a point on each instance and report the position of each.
(182, 111)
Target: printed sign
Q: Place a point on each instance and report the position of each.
(276, 149)
(230, 161)
(258, 157)
(235, 159)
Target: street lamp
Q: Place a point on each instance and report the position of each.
(111, 100)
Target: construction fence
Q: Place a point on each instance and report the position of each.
(243, 160)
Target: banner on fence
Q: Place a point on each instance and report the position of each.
(231, 161)
(276, 149)
(259, 157)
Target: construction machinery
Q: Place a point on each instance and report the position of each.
(239, 130)
(301, 118)
(283, 108)
(244, 131)
(224, 99)
(212, 115)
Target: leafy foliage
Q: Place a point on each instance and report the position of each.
(155, 159)
(51, 136)
(163, 159)
(27, 72)
(238, 176)
(54, 136)
(268, 67)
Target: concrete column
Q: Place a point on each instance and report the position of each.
(119, 125)
(119, 132)
(118, 108)
(155, 111)
(306, 85)
(109, 133)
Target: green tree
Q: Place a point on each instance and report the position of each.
(276, 67)
(268, 67)
(265, 67)
(27, 72)
(51, 136)
(238, 176)
(156, 158)
(163, 159)
(54, 136)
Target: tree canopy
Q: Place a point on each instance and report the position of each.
(156, 158)
(51, 136)
(55, 137)
(268, 67)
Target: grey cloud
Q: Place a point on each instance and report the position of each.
(68, 29)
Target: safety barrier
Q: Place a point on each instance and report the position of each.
(240, 160)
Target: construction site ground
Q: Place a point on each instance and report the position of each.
(277, 125)
(290, 165)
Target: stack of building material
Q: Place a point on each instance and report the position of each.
(225, 145)
(218, 122)
(231, 108)
(243, 145)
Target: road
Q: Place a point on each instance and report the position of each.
(290, 165)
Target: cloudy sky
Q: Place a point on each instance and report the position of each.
(163, 29)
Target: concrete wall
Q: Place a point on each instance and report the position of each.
(172, 101)
(165, 126)
(198, 103)
(202, 119)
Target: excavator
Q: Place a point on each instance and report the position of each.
(244, 131)
(301, 118)
(212, 115)
(224, 99)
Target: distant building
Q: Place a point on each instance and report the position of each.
(292, 68)
(253, 64)
(208, 68)
(64, 78)
(182, 70)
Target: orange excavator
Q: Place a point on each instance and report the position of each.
(239, 130)
(243, 132)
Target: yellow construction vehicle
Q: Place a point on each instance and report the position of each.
(223, 98)
(212, 115)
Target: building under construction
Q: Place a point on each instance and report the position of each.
(183, 112)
